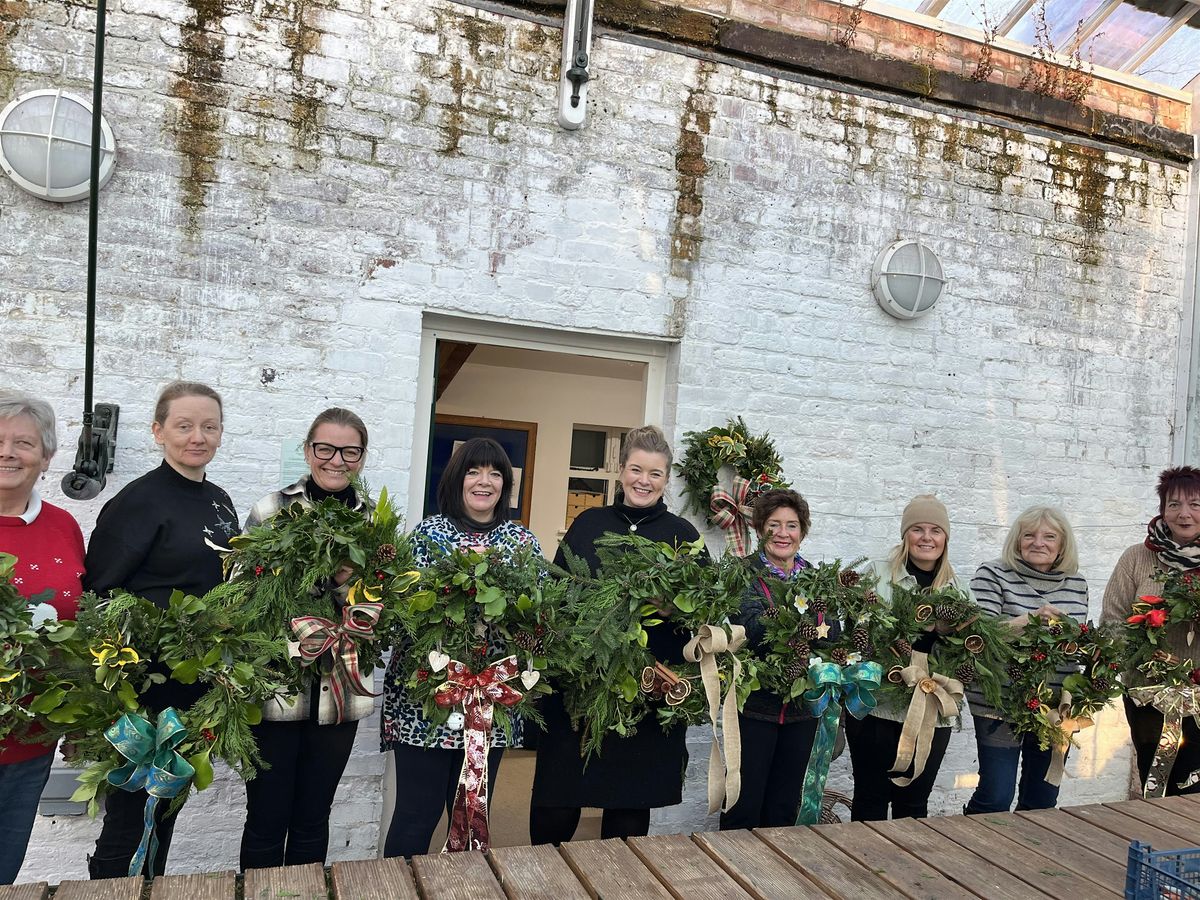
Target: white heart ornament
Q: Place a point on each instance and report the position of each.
(530, 678)
(456, 721)
(438, 660)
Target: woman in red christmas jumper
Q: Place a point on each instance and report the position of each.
(49, 549)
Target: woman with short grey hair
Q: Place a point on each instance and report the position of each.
(1037, 575)
(48, 547)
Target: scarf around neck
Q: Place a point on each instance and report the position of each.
(1170, 555)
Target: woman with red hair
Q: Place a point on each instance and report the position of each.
(1172, 544)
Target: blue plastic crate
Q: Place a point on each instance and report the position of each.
(1162, 874)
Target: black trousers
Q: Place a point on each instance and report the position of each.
(557, 824)
(121, 832)
(873, 743)
(426, 782)
(1145, 728)
(288, 804)
(774, 761)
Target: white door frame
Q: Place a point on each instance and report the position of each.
(654, 352)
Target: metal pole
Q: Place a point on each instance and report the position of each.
(93, 220)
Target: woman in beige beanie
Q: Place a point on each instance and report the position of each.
(919, 562)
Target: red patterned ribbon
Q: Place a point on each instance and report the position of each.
(731, 513)
(316, 635)
(477, 693)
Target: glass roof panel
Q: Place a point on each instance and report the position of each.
(910, 5)
(1126, 30)
(1177, 61)
(1062, 18)
(969, 13)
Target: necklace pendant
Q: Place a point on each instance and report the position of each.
(632, 526)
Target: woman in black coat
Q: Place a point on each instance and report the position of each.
(635, 774)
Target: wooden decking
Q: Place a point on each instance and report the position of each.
(1068, 854)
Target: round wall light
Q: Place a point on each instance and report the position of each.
(907, 279)
(45, 145)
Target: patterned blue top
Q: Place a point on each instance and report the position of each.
(403, 720)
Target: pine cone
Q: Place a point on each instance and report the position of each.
(771, 612)
(1056, 629)
(965, 673)
(1101, 684)
(903, 648)
(808, 632)
(947, 612)
(386, 553)
(800, 648)
(818, 607)
(1014, 671)
(861, 640)
(529, 643)
(794, 670)
(848, 578)
(839, 656)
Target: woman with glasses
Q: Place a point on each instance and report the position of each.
(302, 741)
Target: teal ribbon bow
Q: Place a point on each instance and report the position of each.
(834, 687)
(154, 767)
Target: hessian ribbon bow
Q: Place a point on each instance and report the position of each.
(154, 767)
(724, 772)
(1067, 726)
(1174, 702)
(834, 686)
(317, 634)
(731, 512)
(933, 696)
(477, 693)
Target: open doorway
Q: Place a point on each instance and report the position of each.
(559, 402)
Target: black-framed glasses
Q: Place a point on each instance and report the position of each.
(350, 454)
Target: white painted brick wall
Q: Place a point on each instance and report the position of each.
(430, 175)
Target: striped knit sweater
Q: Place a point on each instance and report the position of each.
(1007, 592)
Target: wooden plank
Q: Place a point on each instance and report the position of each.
(1033, 867)
(831, 871)
(1180, 826)
(373, 879)
(105, 889)
(611, 869)
(1126, 827)
(535, 873)
(907, 874)
(456, 876)
(1076, 856)
(953, 861)
(1180, 805)
(209, 886)
(685, 869)
(293, 882)
(756, 865)
(36, 891)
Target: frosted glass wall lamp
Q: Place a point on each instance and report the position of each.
(907, 279)
(45, 145)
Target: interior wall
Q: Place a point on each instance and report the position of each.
(557, 401)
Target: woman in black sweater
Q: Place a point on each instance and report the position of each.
(632, 775)
(161, 533)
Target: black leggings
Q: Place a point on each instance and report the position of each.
(426, 782)
(774, 762)
(557, 824)
(122, 830)
(1145, 728)
(873, 743)
(288, 804)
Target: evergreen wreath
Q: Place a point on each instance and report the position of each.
(616, 684)
(753, 458)
(23, 651)
(1178, 604)
(1043, 648)
(827, 612)
(479, 609)
(972, 645)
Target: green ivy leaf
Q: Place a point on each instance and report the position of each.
(204, 770)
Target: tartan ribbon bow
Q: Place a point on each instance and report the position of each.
(724, 771)
(154, 766)
(1067, 726)
(933, 695)
(731, 512)
(478, 693)
(834, 686)
(317, 635)
(1174, 702)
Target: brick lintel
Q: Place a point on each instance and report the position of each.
(768, 46)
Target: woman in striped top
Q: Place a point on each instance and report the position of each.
(1037, 575)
